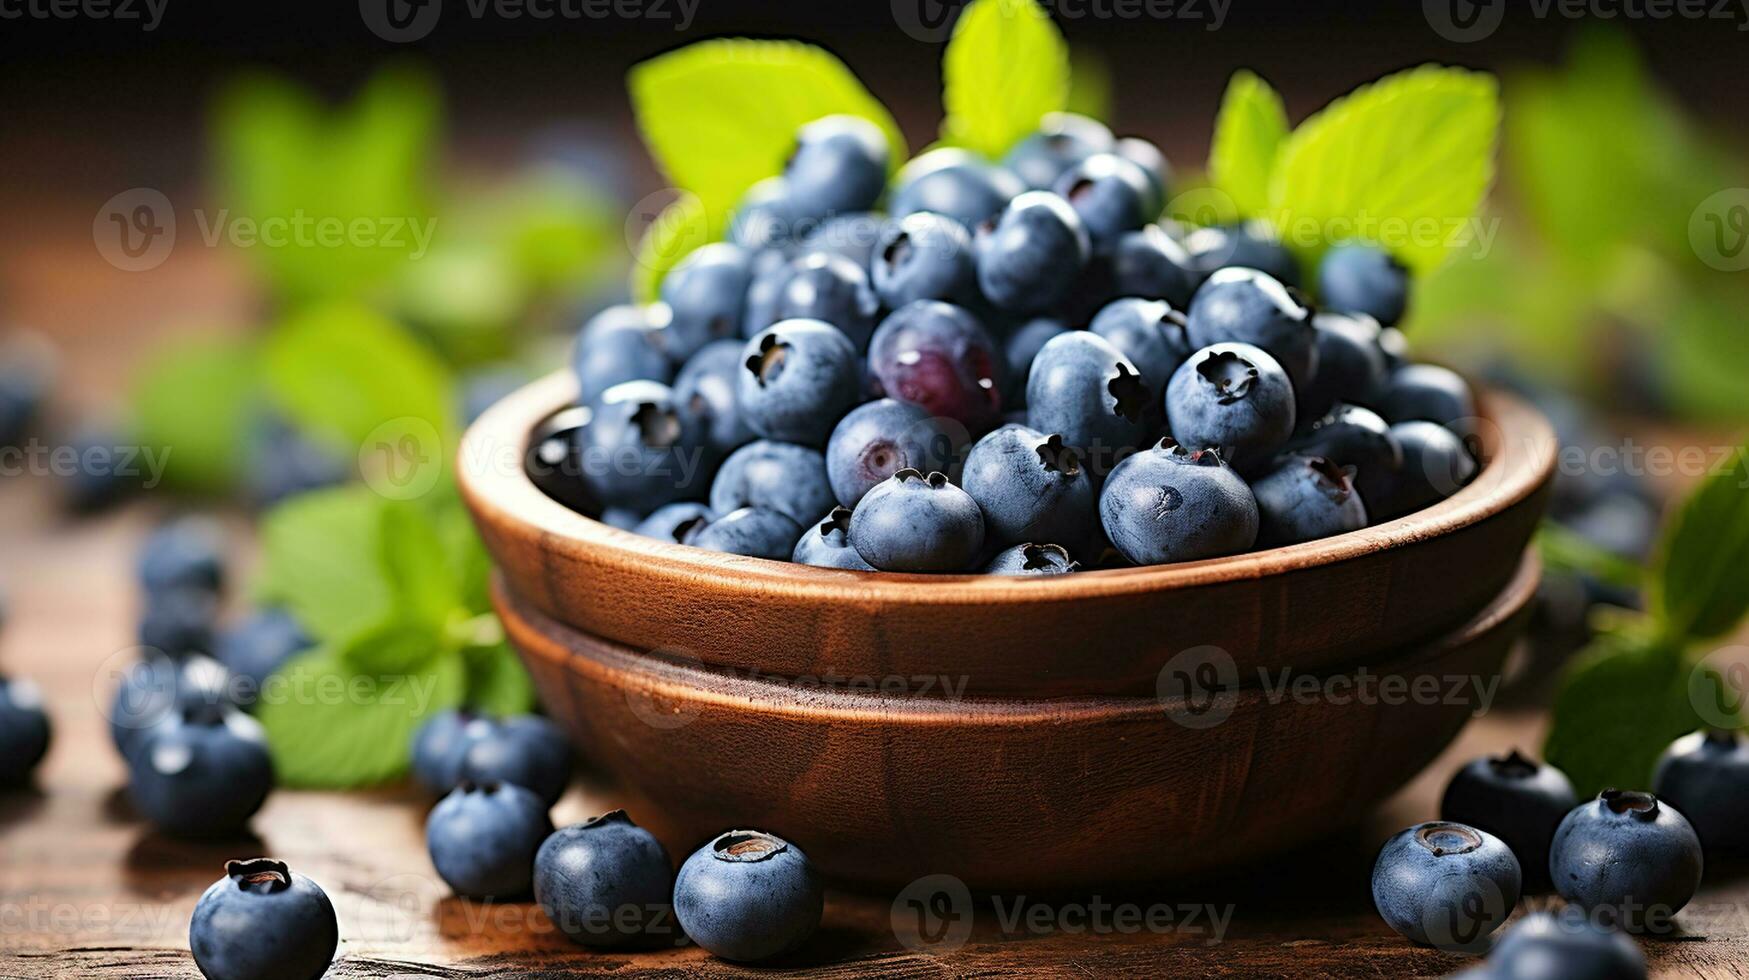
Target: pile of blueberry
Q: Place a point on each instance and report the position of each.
(1015, 367)
(1626, 860)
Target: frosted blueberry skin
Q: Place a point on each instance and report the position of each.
(674, 522)
(1063, 140)
(1167, 505)
(918, 523)
(880, 438)
(640, 450)
(1028, 560)
(826, 544)
(1351, 436)
(1428, 393)
(483, 839)
(1564, 945)
(830, 289)
(939, 356)
(839, 166)
(706, 294)
(751, 531)
(748, 896)
(1153, 265)
(1446, 885)
(924, 256)
(1351, 365)
(705, 391)
(1149, 332)
(1305, 498)
(1033, 254)
(619, 344)
(1019, 350)
(554, 462)
(528, 750)
(1364, 279)
(1155, 168)
(764, 219)
(1235, 398)
(778, 476)
(954, 183)
(440, 745)
(201, 772)
(1031, 488)
(607, 883)
(1515, 799)
(1246, 306)
(24, 730)
(1084, 389)
(1705, 776)
(771, 272)
(1250, 245)
(262, 921)
(1111, 194)
(1628, 859)
(798, 378)
(1435, 466)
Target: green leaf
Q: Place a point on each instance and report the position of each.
(682, 226)
(1566, 551)
(330, 727)
(418, 564)
(1700, 589)
(194, 399)
(1619, 706)
(1405, 161)
(1248, 134)
(322, 559)
(497, 682)
(396, 646)
(1005, 69)
(720, 115)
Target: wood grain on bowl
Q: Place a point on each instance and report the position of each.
(1342, 600)
(885, 788)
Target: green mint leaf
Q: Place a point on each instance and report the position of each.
(1700, 589)
(1405, 160)
(497, 682)
(396, 646)
(720, 115)
(1006, 67)
(420, 569)
(680, 227)
(1248, 134)
(1620, 704)
(1566, 551)
(321, 559)
(195, 400)
(330, 727)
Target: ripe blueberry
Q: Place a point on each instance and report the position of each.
(186, 553)
(1032, 559)
(879, 438)
(1233, 397)
(748, 896)
(1705, 775)
(1429, 393)
(938, 356)
(826, 544)
(954, 183)
(440, 744)
(752, 531)
(1627, 858)
(1251, 245)
(1032, 255)
(527, 750)
(830, 289)
(705, 390)
(1351, 365)
(839, 165)
(619, 344)
(1168, 505)
(1084, 389)
(1303, 499)
(483, 839)
(1515, 799)
(201, 772)
(799, 377)
(1564, 945)
(777, 476)
(260, 644)
(917, 523)
(1435, 466)
(1445, 884)
(1150, 333)
(674, 522)
(1152, 264)
(1245, 306)
(1031, 487)
(261, 921)
(1111, 194)
(24, 730)
(607, 882)
(640, 450)
(1063, 140)
(1357, 278)
(706, 296)
(1018, 351)
(925, 256)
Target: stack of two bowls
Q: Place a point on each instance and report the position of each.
(1099, 727)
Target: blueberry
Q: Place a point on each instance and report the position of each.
(917, 523)
(148, 693)
(555, 459)
(830, 289)
(748, 896)
(839, 165)
(283, 462)
(201, 772)
(624, 518)
(879, 438)
(1031, 487)
(1564, 946)
(28, 364)
(705, 390)
(1244, 306)
(97, 480)
(1445, 884)
(179, 621)
(1627, 859)
(24, 730)
(483, 839)
(925, 256)
(1365, 279)
(777, 476)
(440, 745)
(1032, 559)
(826, 544)
(752, 531)
(260, 644)
(765, 217)
(619, 344)
(799, 377)
(1233, 397)
(1351, 365)
(1033, 254)
(607, 883)
(1154, 167)
(1169, 505)
(1621, 522)
(674, 522)
(771, 273)
(955, 183)
(1705, 775)
(852, 237)
(1084, 389)
(1303, 499)
(640, 450)
(1150, 333)
(1435, 466)
(1152, 264)
(527, 750)
(940, 357)
(706, 295)
(1018, 352)
(1515, 799)
(1111, 194)
(1429, 393)
(1251, 245)
(186, 553)
(262, 921)
(1351, 436)
(1063, 140)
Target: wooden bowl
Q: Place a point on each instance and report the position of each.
(1342, 600)
(1009, 794)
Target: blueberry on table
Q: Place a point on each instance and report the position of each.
(924, 256)
(1032, 559)
(554, 462)
(527, 750)
(156, 689)
(262, 921)
(880, 438)
(1019, 349)
(1063, 140)
(1517, 800)
(1031, 257)
(748, 896)
(1305, 498)
(640, 450)
(1235, 398)
(24, 730)
(752, 531)
(1351, 436)
(826, 544)
(1705, 776)
(186, 553)
(1111, 194)
(1627, 858)
(1083, 389)
(1031, 487)
(1245, 306)
(1149, 332)
(1167, 504)
(607, 882)
(202, 772)
(440, 745)
(1435, 465)
(917, 523)
(830, 289)
(956, 184)
(1445, 884)
(706, 295)
(619, 344)
(1250, 245)
(798, 379)
(1151, 264)
(179, 621)
(674, 522)
(483, 839)
(97, 481)
(1429, 393)
(778, 476)
(939, 356)
(1351, 364)
(260, 644)
(839, 165)
(1564, 945)
(1358, 278)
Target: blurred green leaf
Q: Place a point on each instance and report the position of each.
(1619, 705)
(415, 557)
(1705, 351)
(497, 682)
(194, 399)
(1563, 550)
(396, 646)
(322, 560)
(1249, 131)
(1701, 588)
(1006, 67)
(682, 226)
(467, 298)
